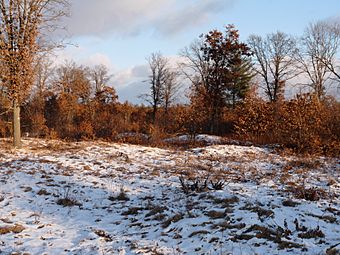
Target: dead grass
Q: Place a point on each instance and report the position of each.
(274, 235)
(289, 203)
(246, 237)
(122, 196)
(226, 202)
(216, 214)
(156, 210)
(172, 219)
(306, 163)
(56, 146)
(199, 232)
(227, 225)
(68, 202)
(333, 250)
(312, 233)
(43, 192)
(11, 229)
(326, 218)
(261, 212)
(310, 194)
(133, 211)
(101, 233)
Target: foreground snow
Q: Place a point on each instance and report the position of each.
(103, 198)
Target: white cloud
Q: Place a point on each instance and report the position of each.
(129, 17)
(130, 83)
(83, 56)
(193, 14)
(97, 59)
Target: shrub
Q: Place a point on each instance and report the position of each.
(304, 124)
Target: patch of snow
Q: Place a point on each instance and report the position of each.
(127, 199)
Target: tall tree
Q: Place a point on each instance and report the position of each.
(159, 67)
(317, 55)
(274, 57)
(73, 80)
(71, 90)
(170, 89)
(22, 26)
(33, 114)
(211, 65)
(333, 33)
(100, 78)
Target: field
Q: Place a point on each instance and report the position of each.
(110, 198)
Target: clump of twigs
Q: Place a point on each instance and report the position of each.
(200, 184)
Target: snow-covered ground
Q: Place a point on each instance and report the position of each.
(106, 198)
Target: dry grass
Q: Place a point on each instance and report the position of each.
(156, 210)
(199, 232)
(43, 192)
(172, 219)
(68, 202)
(11, 229)
(122, 196)
(311, 194)
(289, 203)
(307, 163)
(261, 212)
(101, 233)
(132, 211)
(216, 214)
(227, 225)
(312, 233)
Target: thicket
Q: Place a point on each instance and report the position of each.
(303, 124)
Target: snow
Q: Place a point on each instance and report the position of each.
(207, 139)
(154, 215)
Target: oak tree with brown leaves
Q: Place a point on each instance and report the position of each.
(23, 24)
(216, 67)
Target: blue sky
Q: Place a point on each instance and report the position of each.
(121, 34)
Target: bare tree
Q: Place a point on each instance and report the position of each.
(333, 33)
(170, 89)
(194, 67)
(159, 67)
(317, 52)
(100, 76)
(43, 73)
(22, 24)
(275, 60)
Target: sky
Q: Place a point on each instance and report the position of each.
(121, 34)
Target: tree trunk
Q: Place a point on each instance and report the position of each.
(154, 112)
(16, 124)
(212, 124)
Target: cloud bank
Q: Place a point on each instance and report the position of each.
(130, 17)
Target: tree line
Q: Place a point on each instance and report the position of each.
(237, 89)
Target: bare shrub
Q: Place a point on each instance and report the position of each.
(200, 184)
(67, 200)
(122, 196)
